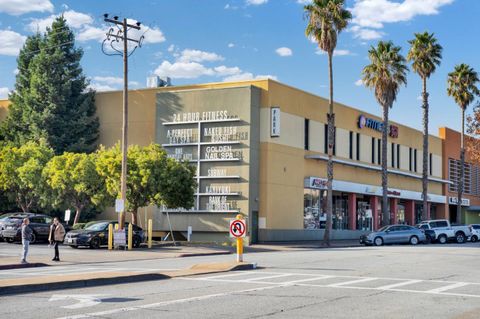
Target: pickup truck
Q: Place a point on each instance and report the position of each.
(445, 232)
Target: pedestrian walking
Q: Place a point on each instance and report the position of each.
(57, 232)
(27, 233)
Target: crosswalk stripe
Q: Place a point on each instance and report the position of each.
(399, 284)
(348, 283)
(448, 287)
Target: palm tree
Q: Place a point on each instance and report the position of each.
(386, 73)
(425, 54)
(326, 19)
(462, 86)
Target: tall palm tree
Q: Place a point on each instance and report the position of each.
(462, 86)
(386, 73)
(425, 54)
(326, 19)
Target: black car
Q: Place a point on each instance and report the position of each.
(95, 235)
(39, 223)
(4, 219)
(430, 235)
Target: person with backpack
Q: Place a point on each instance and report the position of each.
(57, 233)
(27, 233)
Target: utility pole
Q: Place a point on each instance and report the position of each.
(114, 37)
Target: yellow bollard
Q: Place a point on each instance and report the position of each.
(110, 236)
(130, 236)
(116, 226)
(239, 244)
(150, 232)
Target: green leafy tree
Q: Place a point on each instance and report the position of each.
(463, 87)
(152, 178)
(385, 75)
(51, 99)
(326, 19)
(21, 173)
(425, 54)
(73, 181)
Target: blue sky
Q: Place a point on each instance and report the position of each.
(195, 41)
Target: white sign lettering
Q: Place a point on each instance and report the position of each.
(221, 152)
(180, 156)
(275, 122)
(217, 172)
(218, 189)
(218, 203)
(203, 116)
(180, 136)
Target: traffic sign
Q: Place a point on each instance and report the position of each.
(238, 228)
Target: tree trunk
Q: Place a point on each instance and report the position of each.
(425, 213)
(385, 212)
(78, 212)
(462, 171)
(134, 216)
(331, 142)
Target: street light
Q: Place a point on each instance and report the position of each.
(111, 46)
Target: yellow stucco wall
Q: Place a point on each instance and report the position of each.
(3, 109)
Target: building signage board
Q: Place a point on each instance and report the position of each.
(315, 183)
(275, 121)
(376, 125)
(454, 201)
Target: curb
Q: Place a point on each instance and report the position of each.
(206, 254)
(131, 278)
(20, 266)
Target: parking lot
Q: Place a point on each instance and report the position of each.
(399, 281)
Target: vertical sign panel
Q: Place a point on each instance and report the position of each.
(275, 122)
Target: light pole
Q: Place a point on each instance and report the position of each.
(116, 35)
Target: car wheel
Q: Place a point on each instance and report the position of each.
(474, 239)
(9, 240)
(460, 237)
(34, 239)
(442, 239)
(136, 241)
(413, 240)
(95, 243)
(378, 241)
(74, 246)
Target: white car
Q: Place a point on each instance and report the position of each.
(444, 231)
(475, 229)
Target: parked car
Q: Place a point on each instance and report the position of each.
(394, 234)
(4, 219)
(95, 235)
(444, 231)
(430, 236)
(39, 223)
(475, 229)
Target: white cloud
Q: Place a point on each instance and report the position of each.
(284, 51)
(373, 14)
(230, 7)
(222, 70)
(182, 70)
(231, 45)
(171, 48)
(92, 33)
(101, 87)
(338, 52)
(255, 2)
(19, 7)
(4, 93)
(11, 42)
(304, 1)
(247, 76)
(152, 35)
(189, 55)
(359, 82)
(111, 80)
(109, 83)
(76, 20)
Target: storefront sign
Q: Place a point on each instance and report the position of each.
(376, 125)
(394, 193)
(315, 183)
(180, 156)
(275, 122)
(201, 116)
(454, 201)
(180, 136)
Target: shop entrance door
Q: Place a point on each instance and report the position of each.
(364, 216)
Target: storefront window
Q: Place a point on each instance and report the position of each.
(364, 216)
(340, 212)
(400, 215)
(314, 216)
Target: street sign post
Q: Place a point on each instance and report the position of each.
(238, 229)
(67, 215)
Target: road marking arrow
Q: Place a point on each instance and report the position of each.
(83, 300)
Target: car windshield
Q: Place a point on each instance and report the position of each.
(384, 228)
(97, 226)
(6, 216)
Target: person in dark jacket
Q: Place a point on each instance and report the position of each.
(57, 232)
(27, 233)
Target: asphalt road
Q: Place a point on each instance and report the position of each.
(432, 281)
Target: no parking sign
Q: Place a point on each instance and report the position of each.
(238, 228)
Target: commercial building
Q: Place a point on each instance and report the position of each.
(451, 170)
(260, 150)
